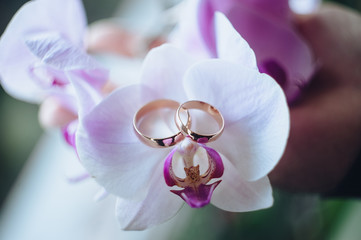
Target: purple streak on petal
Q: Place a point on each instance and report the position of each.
(78, 178)
(48, 78)
(167, 169)
(216, 162)
(206, 23)
(57, 82)
(197, 197)
(69, 132)
(275, 70)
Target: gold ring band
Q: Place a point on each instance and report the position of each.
(185, 128)
(158, 142)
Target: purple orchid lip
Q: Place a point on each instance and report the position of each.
(197, 197)
(196, 192)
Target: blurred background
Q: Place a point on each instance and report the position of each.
(293, 216)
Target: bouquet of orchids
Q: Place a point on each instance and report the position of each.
(206, 121)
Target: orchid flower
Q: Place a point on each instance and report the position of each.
(41, 47)
(146, 179)
(267, 27)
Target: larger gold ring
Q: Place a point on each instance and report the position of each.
(185, 128)
(158, 142)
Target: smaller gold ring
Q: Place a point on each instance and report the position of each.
(185, 128)
(158, 142)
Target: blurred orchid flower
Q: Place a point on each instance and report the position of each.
(255, 133)
(266, 26)
(41, 47)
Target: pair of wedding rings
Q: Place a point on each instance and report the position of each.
(184, 128)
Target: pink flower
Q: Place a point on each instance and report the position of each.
(41, 47)
(255, 134)
(266, 26)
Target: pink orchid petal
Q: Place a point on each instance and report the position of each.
(236, 195)
(230, 45)
(254, 109)
(109, 148)
(267, 27)
(158, 206)
(275, 41)
(163, 70)
(278, 9)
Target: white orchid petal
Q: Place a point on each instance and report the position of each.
(71, 23)
(163, 70)
(158, 206)
(254, 109)
(236, 195)
(230, 45)
(187, 33)
(86, 95)
(109, 148)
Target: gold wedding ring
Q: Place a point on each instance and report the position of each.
(185, 128)
(158, 142)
